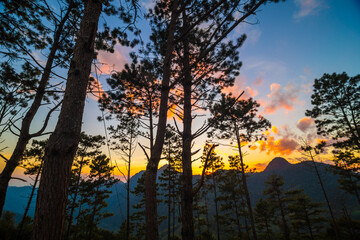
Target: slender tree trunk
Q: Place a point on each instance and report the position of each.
(283, 219)
(308, 223)
(21, 224)
(244, 181)
(207, 214)
(62, 145)
(152, 232)
(216, 208)
(325, 196)
(268, 235)
(92, 219)
(74, 200)
(237, 216)
(173, 211)
(25, 135)
(169, 193)
(187, 230)
(128, 190)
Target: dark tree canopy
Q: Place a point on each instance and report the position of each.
(336, 108)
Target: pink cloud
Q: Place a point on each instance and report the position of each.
(307, 7)
(281, 98)
(110, 62)
(259, 81)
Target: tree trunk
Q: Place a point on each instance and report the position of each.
(74, 200)
(25, 136)
(308, 223)
(216, 208)
(128, 189)
(152, 232)
(62, 145)
(247, 195)
(325, 196)
(21, 224)
(283, 219)
(169, 193)
(187, 231)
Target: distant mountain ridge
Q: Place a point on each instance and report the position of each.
(300, 176)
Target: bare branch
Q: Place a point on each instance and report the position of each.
(147, 156)
(4, 157)
(201, 182)
(40, 132)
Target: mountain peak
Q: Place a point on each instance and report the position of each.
(277, 164)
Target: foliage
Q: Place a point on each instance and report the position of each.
(336, 107)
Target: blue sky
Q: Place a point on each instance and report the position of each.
(292, 43)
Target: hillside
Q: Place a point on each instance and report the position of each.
(300, 175)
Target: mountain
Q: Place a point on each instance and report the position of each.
(300, 176)
(276, 164)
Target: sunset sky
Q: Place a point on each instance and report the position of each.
(293, 43)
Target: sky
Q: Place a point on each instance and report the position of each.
(288, 45)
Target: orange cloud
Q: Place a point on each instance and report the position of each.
(274, 129)
(305, 123)
(282, 146)
(96, 90)
(260, 166)
(239, 86)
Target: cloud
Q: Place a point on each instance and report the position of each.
(253, 36)
(260, 166)
(110, 62)
(239, 86)
(259, 81)
(266, 67)
(280, 97)
(305, 124)
(148, 4)
(307, 7)
(282, 146)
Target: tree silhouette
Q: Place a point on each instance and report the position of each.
(62, 144)
(276, 195)
(238, 119)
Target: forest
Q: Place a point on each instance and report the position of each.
(171, 94)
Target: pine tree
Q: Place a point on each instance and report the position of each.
(89, 147)
(32, 161)
(124, 139)
(264, 217)
(336, 108)
(276, 196)
(57, 40)
(170, 178)
(213, 165)
(347, 166)
(192, 50)
(311, 152)
(305, 216)
(138, 216)
(95, 189)
(231, 194)
(62, 144)
(233, 115)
